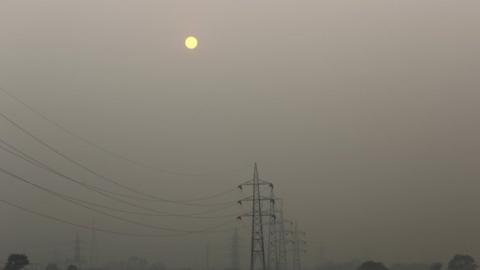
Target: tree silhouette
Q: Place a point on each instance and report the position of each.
(462, 262)
(72, 267)
(371, 265)
(16, 262)
(436, 266)
(52, 266)
(410, 266)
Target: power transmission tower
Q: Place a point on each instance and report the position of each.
(93, 245)
(77, 256)
(235, 251)
(257, 247)
(207, 256)
(54, 255)
(273, 248)
(282, 236)
(298, 247)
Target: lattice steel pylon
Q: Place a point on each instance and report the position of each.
(272, 240)
(298, 247)
(281, 236)
(93, 245)
(257, 247)
(235, 251)
(77, 257)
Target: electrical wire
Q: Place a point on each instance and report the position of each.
(17, 152)
(70, 198)
(86, 227)
(99, 175)
(59, 195)
(101, 148)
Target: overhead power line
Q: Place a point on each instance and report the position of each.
(88, 227)
(95, 173)
(76, 202)
(190, 216)
(103, 192)
(104, 149)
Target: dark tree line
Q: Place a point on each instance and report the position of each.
(19, 261)
(16, 262)
(458, 262)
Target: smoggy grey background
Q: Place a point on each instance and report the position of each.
(363, 113)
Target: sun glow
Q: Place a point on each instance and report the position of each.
(191, 42)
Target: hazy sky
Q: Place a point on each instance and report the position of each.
(364, 114)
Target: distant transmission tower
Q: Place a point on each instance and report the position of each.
(77, 256)
(257, 249)
(93, 246)
(207, 256)
(298, 247)
(282, 236)
(235, 250)
(273, 248)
